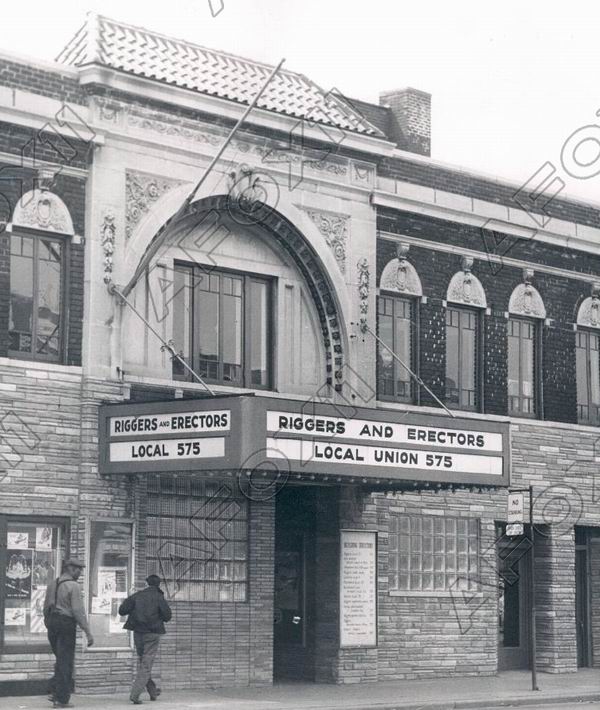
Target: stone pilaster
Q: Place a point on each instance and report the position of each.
(555, 598)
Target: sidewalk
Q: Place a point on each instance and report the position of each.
(511, 688)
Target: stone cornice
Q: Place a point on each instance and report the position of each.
(479, 213)
(164, 93)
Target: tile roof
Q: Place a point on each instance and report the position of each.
(208, 71)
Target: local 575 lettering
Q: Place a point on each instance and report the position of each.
(206, 447)
(182, 448)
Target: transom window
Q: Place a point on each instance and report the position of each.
(522, 367)
(222, 326)
(396, 329)
(433, 554)
(36, 296)
(462, 366)
(588, 377)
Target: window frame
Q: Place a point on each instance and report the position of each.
(479, 360)
(413, 303)
(247, 278)
(5, 519)
(64, 241)
(587, 332)
(88, 572)
(536, 323)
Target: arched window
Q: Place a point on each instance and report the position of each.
(466, 303)
(526, 315)
(587, 353)
(40, 228)
(397, 318)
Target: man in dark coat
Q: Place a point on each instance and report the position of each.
(146, 611)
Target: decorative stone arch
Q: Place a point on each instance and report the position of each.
(525, 300)
(588, 314)
(294, 233)
(465, 288)
(400, 275)
(43, 210)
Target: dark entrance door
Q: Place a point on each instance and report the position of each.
(294, 584)
(582, 597)
(513, 609)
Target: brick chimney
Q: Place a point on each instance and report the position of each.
(410, 119)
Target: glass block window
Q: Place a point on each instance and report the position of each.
(197, 539)
(433, 554)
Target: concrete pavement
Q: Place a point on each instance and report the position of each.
(511, 688)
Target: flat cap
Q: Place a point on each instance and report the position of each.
(73, 562)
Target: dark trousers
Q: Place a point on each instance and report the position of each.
(62, 634)
(146, 646)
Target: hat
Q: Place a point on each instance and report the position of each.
(72, 562)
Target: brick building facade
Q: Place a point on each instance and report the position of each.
(274, 286)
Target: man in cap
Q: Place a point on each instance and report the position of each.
(147, 611)
(63, 612)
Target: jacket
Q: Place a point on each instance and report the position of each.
(63, 596)
(146, 611)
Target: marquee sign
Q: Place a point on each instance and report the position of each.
(246, 432)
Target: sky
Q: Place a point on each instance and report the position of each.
(510, 81)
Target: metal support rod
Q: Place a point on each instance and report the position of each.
(414, 375)
(163, 232)
(165, 344)
(532, 606)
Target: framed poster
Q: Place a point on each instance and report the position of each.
(358, 588)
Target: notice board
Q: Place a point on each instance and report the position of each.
(358, 588)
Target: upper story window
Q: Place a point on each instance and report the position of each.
(466, 302)
(38, 258)
(588, 377)
(36, 296)
(522, 370)
(526, 314)
(587, 359)
(462, 358)
(222, 326)
(397, 324)
(396, 329)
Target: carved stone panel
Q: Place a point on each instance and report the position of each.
(588, 314)
(526, 301)
(40, 209)
(141, 192)
(466, 288)
(334, 228)
(400, 275)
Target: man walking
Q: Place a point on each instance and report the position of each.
(63, 612)
(147, 611)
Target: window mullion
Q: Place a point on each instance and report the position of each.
(35, 297)
(246, 325)
(459, 378)
(220, 361)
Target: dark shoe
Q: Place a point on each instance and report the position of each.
(135, 701)
(155, 694)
